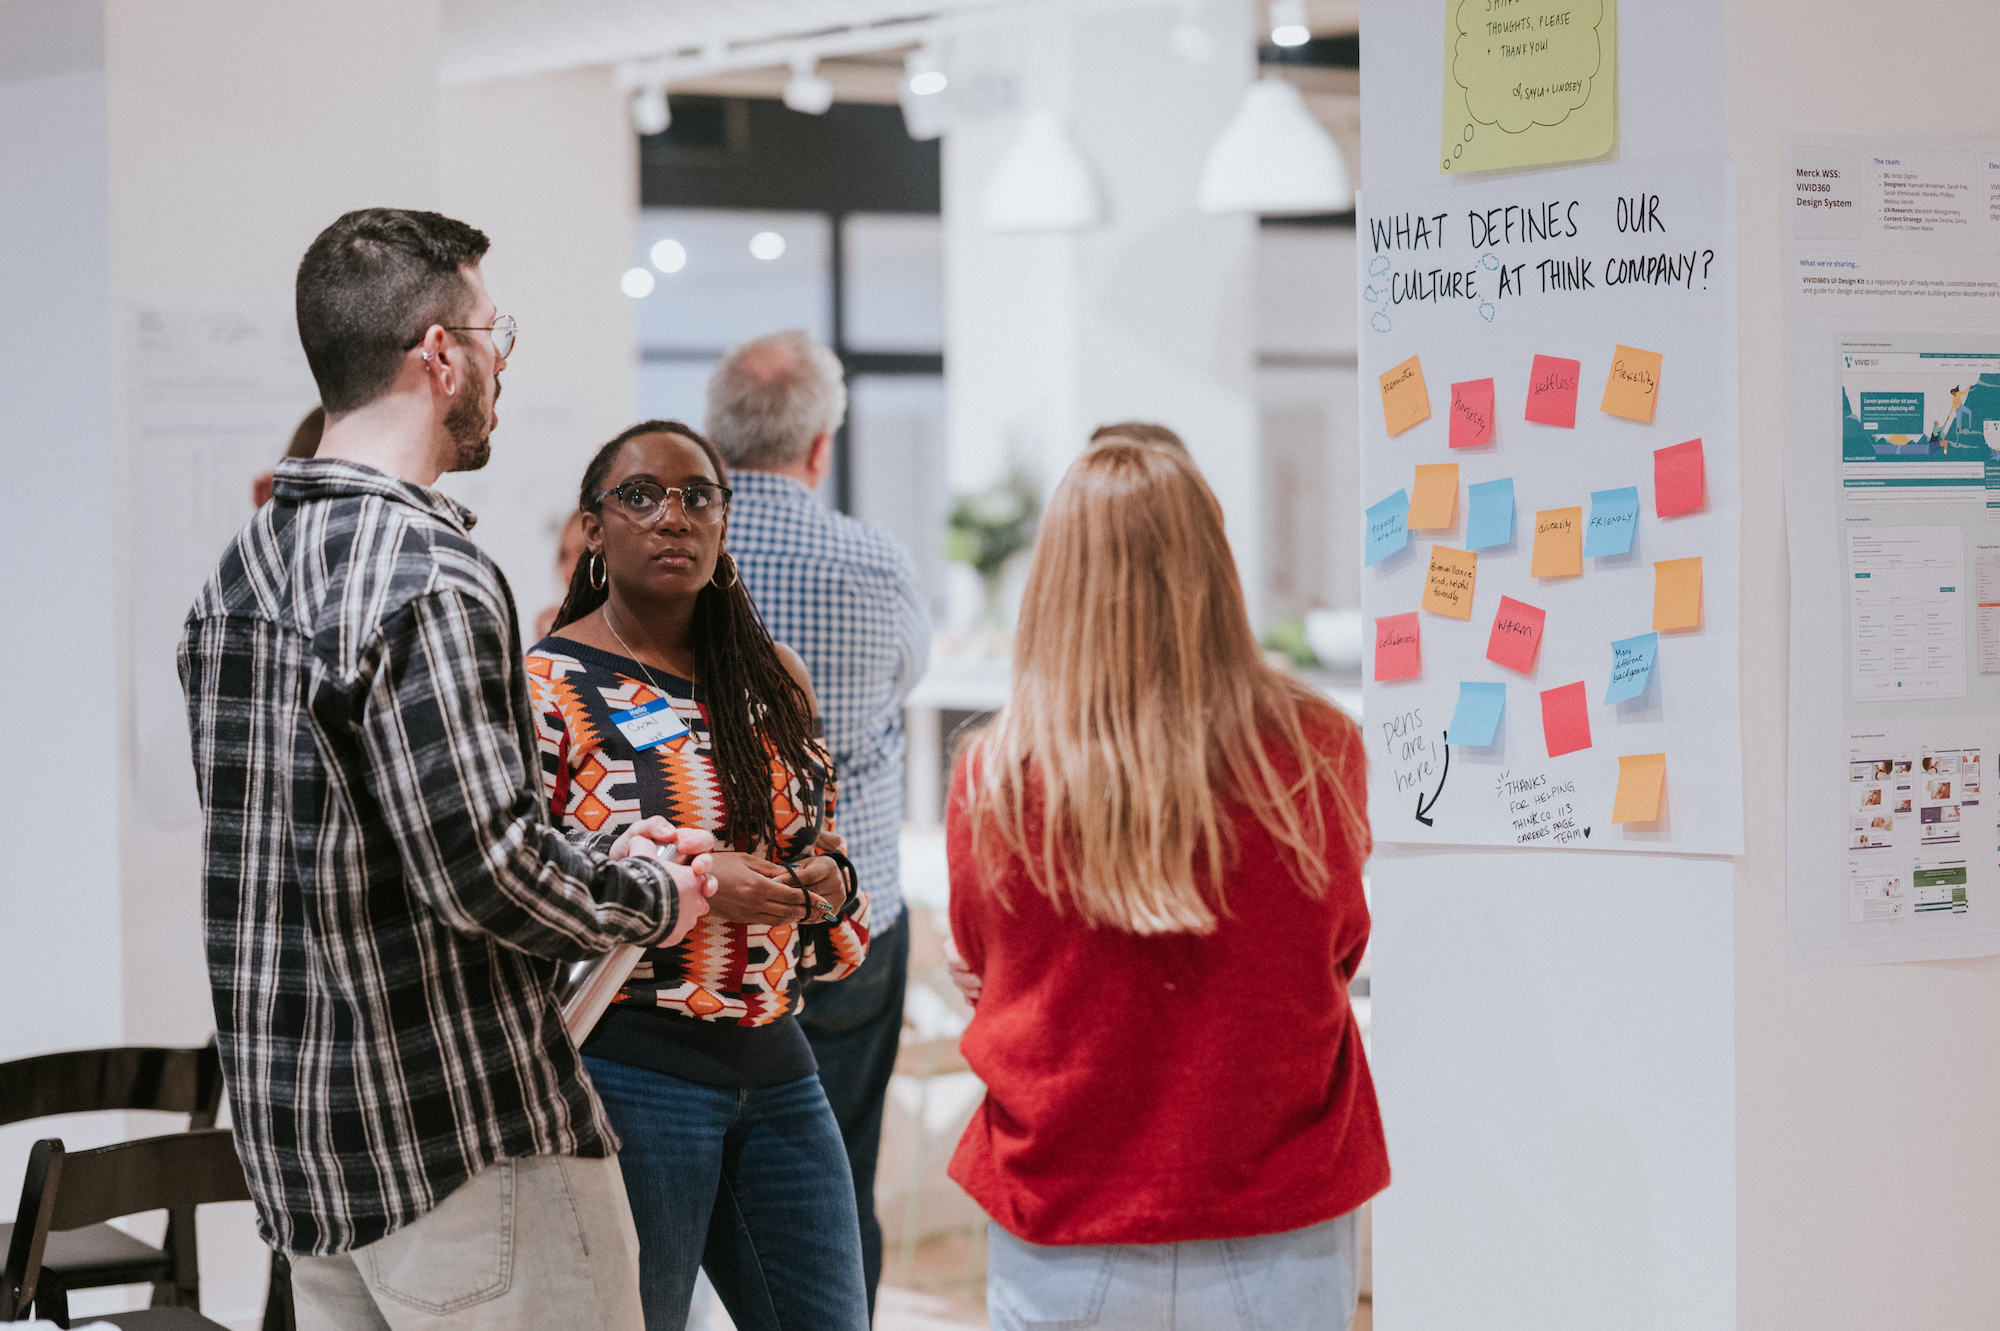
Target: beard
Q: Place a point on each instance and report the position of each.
(465, 425)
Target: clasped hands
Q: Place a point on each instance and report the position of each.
(738, 887)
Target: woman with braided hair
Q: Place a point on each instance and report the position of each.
(659, 691)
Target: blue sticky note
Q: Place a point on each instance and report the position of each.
(1477, 716)
(1388, 526)
(1614, 516)
(1631, 666)
(1491, 521)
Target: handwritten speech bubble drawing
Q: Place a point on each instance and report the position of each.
(1528, 82)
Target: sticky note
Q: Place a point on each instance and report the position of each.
(1516, 636)
(1558, 543)
(1477, 717)
(1677, 594)
(1388, 526)
(1434, 498)
(1490, 521)
(1396, 647)
(1471, 413)
(1404, 399)
(1679, 481)
(1568, 111)
(1633, 385)
(1642, 779)
(1552, 391)
(1448, 588)
(1565, 719)
(1631, 666)
(1614, 516)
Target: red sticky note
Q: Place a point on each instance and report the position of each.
(1396, 647)
(1566, 719)
(1552, 391)
(1679, 480)
(1517, 635)
(1472, 413)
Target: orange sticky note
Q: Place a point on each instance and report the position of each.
(1396, 647)
(1434, 497)
(1677, 593)
(1679, 479)
(1472, 413)
(1633, 385)
(1516, 636)
(1558, 543)
(1552, 385)
(1642, 779)
(1405, 402)
(1566, 719)
(1448, 588)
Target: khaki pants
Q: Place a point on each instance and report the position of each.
(537, 1243)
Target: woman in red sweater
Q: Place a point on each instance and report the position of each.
(1156, 855)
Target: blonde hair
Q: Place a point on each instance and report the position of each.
(1141, 704)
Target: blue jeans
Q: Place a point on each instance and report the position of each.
(856, 1027)
(1307, 1278)
(751, 1185)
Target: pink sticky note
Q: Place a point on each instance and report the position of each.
(1552, 391)
(1396, 647)
(1472, 413)
(1679, 479)
(1566, 719)
(1517, 635)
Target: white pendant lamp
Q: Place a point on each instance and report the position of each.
(1042, 182)
(1275, 158)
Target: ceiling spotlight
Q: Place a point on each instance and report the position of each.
(650, 113)
(1288, 23)
(923, 107)
(806, 91)
(669, 255)
(767, 245)
(637, 283)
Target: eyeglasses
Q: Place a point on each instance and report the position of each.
(702, 502)
(503, 329)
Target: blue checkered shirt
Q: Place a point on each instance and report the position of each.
(846, 597)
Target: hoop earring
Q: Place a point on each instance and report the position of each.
(594, 572)
(724, 561)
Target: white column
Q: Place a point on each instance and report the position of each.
(1147, 316)
(547, 166)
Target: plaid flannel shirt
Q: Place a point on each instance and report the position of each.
(846, 597)
(385, 895)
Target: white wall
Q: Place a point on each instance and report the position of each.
(1865, 1173)
(1555, 1035)
(547, 166)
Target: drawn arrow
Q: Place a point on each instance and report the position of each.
(1444, 735)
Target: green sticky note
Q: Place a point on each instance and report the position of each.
(1528, 83)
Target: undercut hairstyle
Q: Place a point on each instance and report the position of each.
(772, 396)
(1138, 432)
(757, 712)
(368, 288)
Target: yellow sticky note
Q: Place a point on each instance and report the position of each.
(1405, 401)
(1642, 779)
(1528, 85)
(1434, 498)
(1677, 593)
(1633, 385)
(1558, 543)
(1448, 587)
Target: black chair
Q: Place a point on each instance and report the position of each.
(66, 1191)
(82, 1081)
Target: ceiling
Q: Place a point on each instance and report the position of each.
(491, 39)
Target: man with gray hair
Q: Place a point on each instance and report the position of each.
(846, 597)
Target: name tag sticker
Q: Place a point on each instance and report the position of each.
(650, 726)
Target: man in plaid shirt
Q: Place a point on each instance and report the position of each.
(846, 597)
(387, 902)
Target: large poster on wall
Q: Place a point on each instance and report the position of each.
(1550, 467)
(1892, 416)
